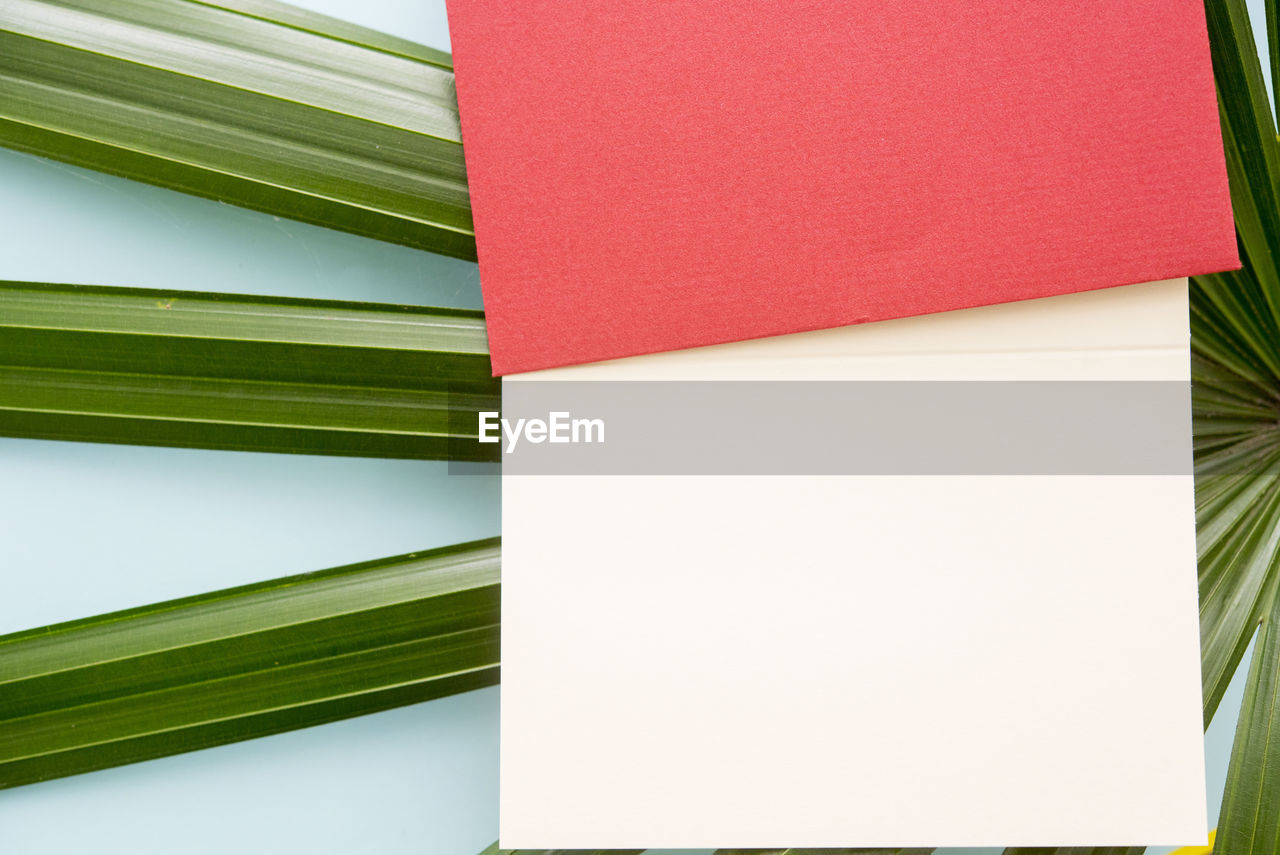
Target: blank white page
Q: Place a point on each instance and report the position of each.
(863, 661)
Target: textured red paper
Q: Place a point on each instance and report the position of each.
(650, 176)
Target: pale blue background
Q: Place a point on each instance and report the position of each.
(92, 528)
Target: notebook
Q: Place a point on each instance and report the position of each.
(986, 657)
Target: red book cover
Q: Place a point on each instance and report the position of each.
(655, 176)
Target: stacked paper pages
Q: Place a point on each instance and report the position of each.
(847, 498)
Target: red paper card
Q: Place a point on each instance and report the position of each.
(653, 176)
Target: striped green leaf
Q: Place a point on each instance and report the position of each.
(1076, 850)
(1235, 336)
(247, 662)
(249, 102)
(1250, 819)
(245, 373)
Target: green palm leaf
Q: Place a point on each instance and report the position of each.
(249, 102)
(247, 662)
(1076, 850)
(245, 373)
(1250, 820)
(1235, 326)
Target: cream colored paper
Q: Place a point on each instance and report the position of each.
(863, 661)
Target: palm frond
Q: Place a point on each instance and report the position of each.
(245, 373)
(247, 662)
(248, 102)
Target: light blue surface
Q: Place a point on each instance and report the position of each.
(1258, 20)
(93, 528)
(65, 224)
